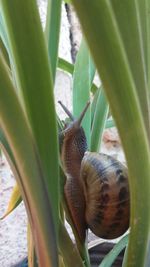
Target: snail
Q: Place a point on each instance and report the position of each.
(96, 190)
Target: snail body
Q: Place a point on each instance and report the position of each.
(96, 190)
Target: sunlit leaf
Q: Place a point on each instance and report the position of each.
(14, 201)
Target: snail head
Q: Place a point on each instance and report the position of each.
(75, 124)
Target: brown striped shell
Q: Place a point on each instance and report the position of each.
(106, 191)
(96, 190)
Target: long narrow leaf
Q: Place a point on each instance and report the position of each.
(128, 17)
(112, 255)
(65, 65)
(52, 32)
(94, 101)
(6, 148)
(5, 41)
(69, 251)
(3, 35)
(102, 33)
(84, 72)
(100, 116)
(14, 201)
(32, 71)
(4, 52)
(143, 17)
(148, 41)
(31, 181)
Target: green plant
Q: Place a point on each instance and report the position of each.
(126, 84)
(117, 33)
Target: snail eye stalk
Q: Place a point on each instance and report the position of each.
(66, 110)
(79, 120)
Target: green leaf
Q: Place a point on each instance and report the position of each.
(148, 41)
(4, 52)
(102, 33)
(31, 180)
(52, 32)
(130, 16)
(3, 34)
(94, 101)
(84, 72)
(6, 148)
(142, 7)
(72, 258)
(110, 123)
(65, 65)
(6, 44)
(94, 88)
(33, 78)
(100, 116)
(67, 1)
(112, 255)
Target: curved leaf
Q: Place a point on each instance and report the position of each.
(32, 72)
(102, 32)
(31, 181)
(112, 255)
(14, 201)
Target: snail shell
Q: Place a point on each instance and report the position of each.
(106, 191)
(96, 190)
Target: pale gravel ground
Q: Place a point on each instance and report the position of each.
(13, 241)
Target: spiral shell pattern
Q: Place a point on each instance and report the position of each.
(106, 190)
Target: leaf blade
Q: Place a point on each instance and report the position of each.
(14, 201)
(101, 112)
(112, 255)
(33, 77)
(15, 128)
(84, 66)
(97, 19)
(52, 32)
